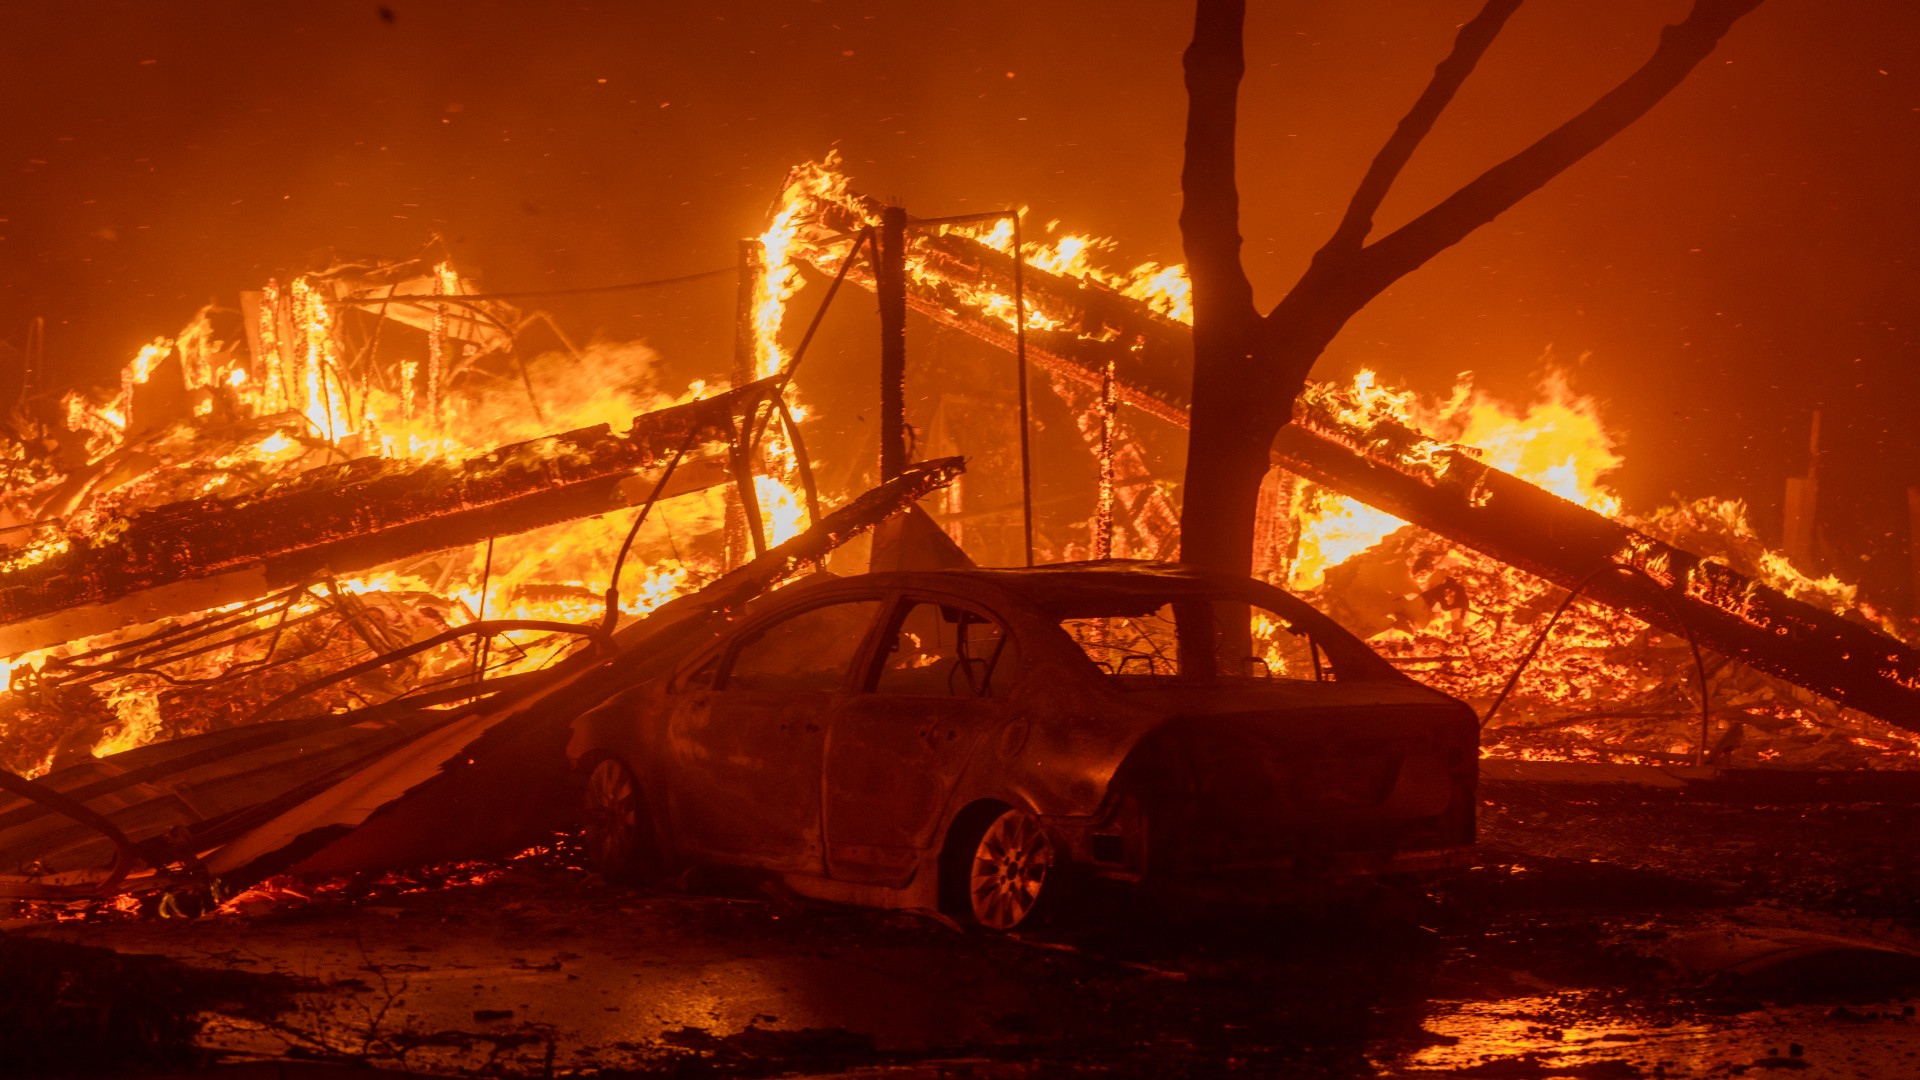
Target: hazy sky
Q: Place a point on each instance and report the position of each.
(1744, 255)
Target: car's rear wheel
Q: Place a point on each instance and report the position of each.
(619, 834)
(1009, 875)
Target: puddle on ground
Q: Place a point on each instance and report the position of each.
(1550, 1036)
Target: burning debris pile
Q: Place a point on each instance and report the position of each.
(1785, 654)
(363, 502)
(311, 553)
(352, 465)
(1603, 685)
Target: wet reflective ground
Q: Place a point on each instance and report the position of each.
(1611, 931)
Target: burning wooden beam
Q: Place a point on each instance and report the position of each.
(890, 285)
(1454, 494)
(193, 555)
(1084, 330)
(1093, 333)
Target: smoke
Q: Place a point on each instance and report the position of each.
(606, 383)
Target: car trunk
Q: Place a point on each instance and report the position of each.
(1258, 779)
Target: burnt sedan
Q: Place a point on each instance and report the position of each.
(980, 740)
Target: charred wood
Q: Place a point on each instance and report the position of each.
(1474, 504)
(200, 553)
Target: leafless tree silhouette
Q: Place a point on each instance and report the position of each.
(1249, 366)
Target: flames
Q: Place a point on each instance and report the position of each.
(783, 508)
(1556, 442)
(1165, 289)
(1606, 686)
(817, 212)
(351, 363)
(238, 402)
(295, 380)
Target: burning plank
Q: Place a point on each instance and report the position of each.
(198, 554)
(1447, 490)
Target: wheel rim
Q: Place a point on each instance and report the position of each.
(613, 816)
(1010, 866)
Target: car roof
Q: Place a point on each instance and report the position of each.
(1071, 581)
(1058, 584)
(1060, 587)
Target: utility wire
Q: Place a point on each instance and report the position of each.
(532, 294)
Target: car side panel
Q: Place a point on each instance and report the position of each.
(742, 772)
(891, 761)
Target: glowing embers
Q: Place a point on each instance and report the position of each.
(1604, 686)
(120, 691)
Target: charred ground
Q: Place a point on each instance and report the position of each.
(1611, 930)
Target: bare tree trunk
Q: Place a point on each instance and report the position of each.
(1248, 368)
(1227, 446)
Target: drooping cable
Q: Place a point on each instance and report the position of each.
(1699, 665)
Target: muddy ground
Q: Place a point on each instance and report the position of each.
(1611, 930)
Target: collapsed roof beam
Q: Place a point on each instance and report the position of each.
(200, 553)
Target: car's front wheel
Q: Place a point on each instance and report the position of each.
(1012, 875)
(619, 834)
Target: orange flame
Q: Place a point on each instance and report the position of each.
(1556, 442)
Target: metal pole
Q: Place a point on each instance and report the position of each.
(1020, 362)
(745, 351)
(890, 281)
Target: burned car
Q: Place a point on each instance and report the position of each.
(981, 739)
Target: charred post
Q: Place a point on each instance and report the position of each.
(734, 538)
(890, 274)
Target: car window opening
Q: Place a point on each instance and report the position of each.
(1196, 639)
(806, 652)
(937, 650)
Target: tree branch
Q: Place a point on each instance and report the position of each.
(1210, 203)
(1468, 46)
(1682, 47)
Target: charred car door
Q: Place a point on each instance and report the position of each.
(938, 682)
(746, 734)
